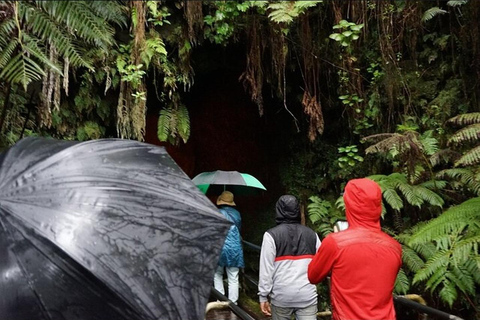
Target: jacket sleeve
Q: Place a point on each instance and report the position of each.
(322, 263)
(267, 259)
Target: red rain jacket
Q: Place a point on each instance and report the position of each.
(363, 260)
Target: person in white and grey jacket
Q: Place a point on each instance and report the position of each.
(287, 249)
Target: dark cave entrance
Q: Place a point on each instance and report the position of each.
(227, 132)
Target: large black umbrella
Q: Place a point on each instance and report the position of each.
(103, 230)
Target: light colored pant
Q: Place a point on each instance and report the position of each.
(232, 277)
(307, 313)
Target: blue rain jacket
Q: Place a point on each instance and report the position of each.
(232, 253)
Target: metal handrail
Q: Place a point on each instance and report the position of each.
(408, 300)
(242, 314)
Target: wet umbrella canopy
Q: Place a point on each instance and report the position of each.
(103, 230)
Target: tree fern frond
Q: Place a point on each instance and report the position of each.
(22, 70)
(465, 248)
(429, 143)
(7, 28)
(469, 133)
(444, 156)
(402, 283)
(465, 119)
(462, 279)
(411, 259)
(410, 195)
(111, 11)
(435, 265)
(425, 250)
(448, 293)
(393, 199)
(78, 16)
(436, 279)
(431, 13)
(7, 52)
(452, 221)
(163, 124)
(307, 4)
(428, 196)
(471, 157)
(456, 3)
(467, 178)
(31, 47)
(281, 12)
(183, 125)
(473, 268)
(340, 204)
(45, 28)
(435, 184)
(318, 209)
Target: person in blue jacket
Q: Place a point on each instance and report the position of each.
(231, 258)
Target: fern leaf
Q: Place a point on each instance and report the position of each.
(435, 265)
(465, 248)
(411, 259)
(469, 133)
(183, 125)
(409, 192)
(465, 119)
(110, 11)
(452, 221)
(429, 143)
(31, 46)
(431, 13)
(281, 12)
(7, 52)
(448, 293)
(456, 3)
(44, 27)
(435, 184)
(471, 157)
(22, 70)
(462, 280)
(78, 16)
(163, 124)
(318, 209)
(393, 199)
(402, 283)
(443, 156)
(428, 196)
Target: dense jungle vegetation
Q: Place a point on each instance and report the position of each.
(388, 90)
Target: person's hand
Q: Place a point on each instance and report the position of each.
(265, 307)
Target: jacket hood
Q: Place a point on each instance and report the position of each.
(287, 210)
(363, 203)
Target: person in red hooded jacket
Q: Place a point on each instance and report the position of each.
(363, 261)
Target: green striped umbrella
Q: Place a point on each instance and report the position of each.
(234, 181)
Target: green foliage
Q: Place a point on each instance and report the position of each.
(349, 32)
(173, 125)
(89, 131)
(431, 13)
(453, 267)
(463, 179)
(456, 3)
(323, 215)
(402, 283)
(470, 133)
(288, 11)
(348, 159)
(35, 26)
(395, 187)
